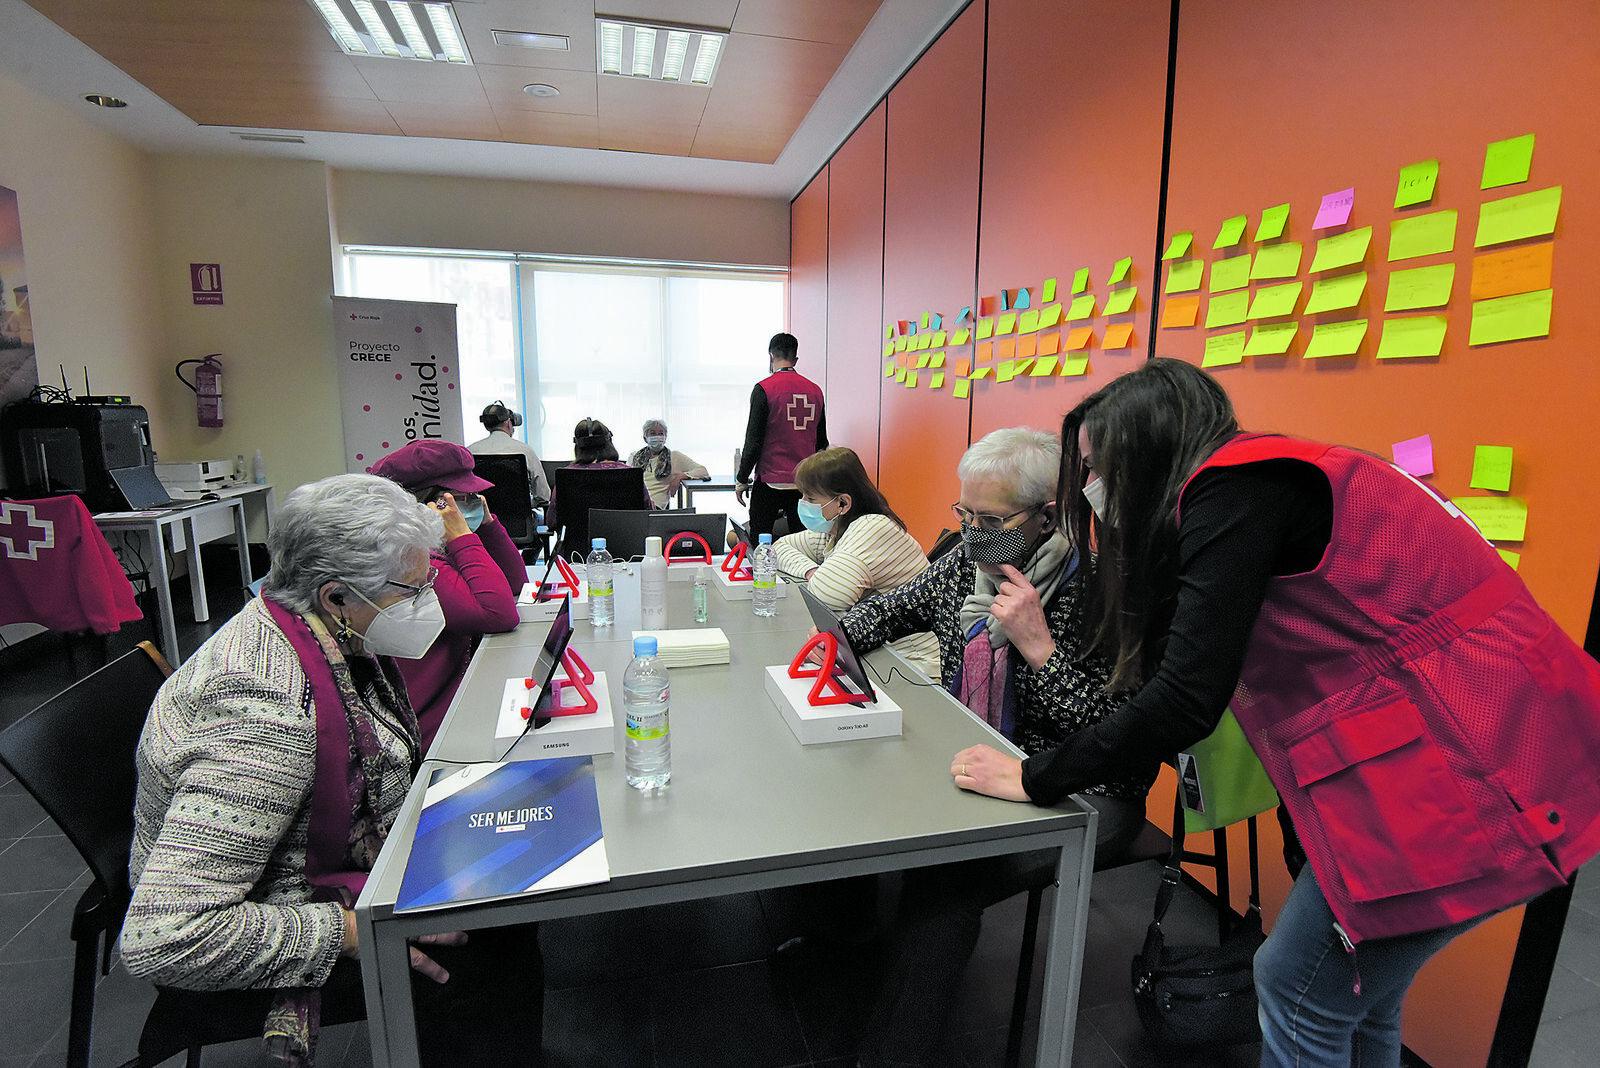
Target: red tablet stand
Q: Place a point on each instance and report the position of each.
(735, 568)
(827, 690)
(698, 540)
(578, 676)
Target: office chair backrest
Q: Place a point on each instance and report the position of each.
(580, 489)
(508, 497)
(550, 469)
(623, 529)
(947, 541)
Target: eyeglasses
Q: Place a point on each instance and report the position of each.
(418, 591)
(988, 522)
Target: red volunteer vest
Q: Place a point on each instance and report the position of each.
(1434, 734)
(794, 408)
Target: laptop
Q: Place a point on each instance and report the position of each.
(827, 622)
(711, 526)
(142, 490)
(743, 532)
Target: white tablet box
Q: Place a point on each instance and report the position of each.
(581, 735)
(531, 611)
(737, 591)
(829, 723)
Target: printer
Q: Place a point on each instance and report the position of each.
(191, 478)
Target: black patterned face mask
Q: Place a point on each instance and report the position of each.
(994, 546)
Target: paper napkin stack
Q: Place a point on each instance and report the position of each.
(693, 647)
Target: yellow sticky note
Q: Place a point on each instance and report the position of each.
(1272, 302)
(922, 361)
(902, 343)
(1340, 291)
(1028, 321)
(960, 337)
(938, 339)
(1118, 336)
(1412, 336)
(1005, 371)
(936, 360)
(888, 349)
(1513, 270)
(1341, 250)
(1020, 368)
(1491, 467)
(1080, 279)
(888, 332)
(1049, 315)
(1507, 162)
(1120, 300)
(1510, 318)
(1498, 518)
(1272, 220)
(1078, 338)
(924, 320)
(1511, 558)
(1082, 307)
(1119, 270)
(1073, 366)
(1184, 276)
(1420, 287)
(985, 328)
(911, 380)
(1180, 311)
(1006, 323)
(888, 370)
(1416, 183)
(1224, 349)
(1044, 367)
(1276, 261)
(1514, 218)
(1336, 339)
(1231, 273)
(1271, 339)
(1179, 245)
(900, 374)
(1230, 233)
(1049, 292)
(1228, 309)
(936, 380)
(1422, 235)
(960, 389)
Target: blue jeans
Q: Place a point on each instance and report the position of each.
(1311, 1016)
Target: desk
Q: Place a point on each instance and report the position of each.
(749, 808)
(716, 484)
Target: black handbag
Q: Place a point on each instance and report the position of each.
(1199, 996)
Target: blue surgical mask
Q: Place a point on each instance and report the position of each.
(811, 515)
(472, 511)
(655, 441)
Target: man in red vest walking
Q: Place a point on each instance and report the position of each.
(787, 424)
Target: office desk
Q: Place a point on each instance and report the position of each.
(716, 484)
(749, 808)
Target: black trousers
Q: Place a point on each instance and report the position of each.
(767, 503)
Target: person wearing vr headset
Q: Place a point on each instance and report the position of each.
(593, 449)
(500, 421)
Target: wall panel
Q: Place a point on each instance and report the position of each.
(808, 270)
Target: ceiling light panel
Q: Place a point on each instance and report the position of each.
(686, 55)
(395, 29)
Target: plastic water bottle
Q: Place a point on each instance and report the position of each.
(258, 469)
(597, 571)
(764, 586)
(702, 593)
(653, 587)
(645, 696)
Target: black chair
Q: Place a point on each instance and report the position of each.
(623, 529)
(550, 469)
(578, 489)
(947, 541)
(508, 498)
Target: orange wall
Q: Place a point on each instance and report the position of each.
(808, 276)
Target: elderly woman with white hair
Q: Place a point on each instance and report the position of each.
(664, 469)
(1007, 621)
(273, 764)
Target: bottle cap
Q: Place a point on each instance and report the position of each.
(652, 546)
(763, 539)
(644, 645)
(598, 543)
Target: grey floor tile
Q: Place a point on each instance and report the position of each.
(47, 862)
(18, 910)
(35, 997)
(734, 1016)
(1569, 993)
(638, 942)
(20, 813)
(48, 936)
(599, 1026)
(1578, 1033)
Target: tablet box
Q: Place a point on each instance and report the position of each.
(737, 591)
(685, 570)
(531, 611)
(580, 735)
(829, 723)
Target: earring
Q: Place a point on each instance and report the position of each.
(345, 631)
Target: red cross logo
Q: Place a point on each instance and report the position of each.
(23, 533)
(798, 418)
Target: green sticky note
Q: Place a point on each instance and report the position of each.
(911, 380)
(1341, 291)
(1277, 261)
(1082, 307)
(1049, 315)
(1224, 349)
(1119, 270)
(936, 380)
(1231, 232)
(1080, 279)
(1228, 309)
(1341, 250)
(1271, 339)
(1422, 235)
(1120, 300)
(1028, 321)
(1179, 245)
(1336, 339)
(1512, 559)
(1509, 318)
(924, 320)
(1491, 467)
(1420, 287)
(1044, 367)
(1049, 292)
(1416, 183)
(888, 370)
(1006, 324)
(938, 339)
(1412, 337)
(1184, 276)
(1528, 215)
(1232, 273)
(888, 332)
(1272, 221)
(1275, 301)
(936, 360)
(922, 361)
(985, 328)
(1498, 518)
(900, 374)
(960, 389)
(1507, 162)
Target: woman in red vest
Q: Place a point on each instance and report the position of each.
(1433, 735)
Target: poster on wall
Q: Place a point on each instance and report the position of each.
(19, 370)
(398, 375)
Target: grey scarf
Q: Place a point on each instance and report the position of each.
(1052, 564)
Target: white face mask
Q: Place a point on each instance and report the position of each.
(655, 441)
(1096, 493)
(406, 629)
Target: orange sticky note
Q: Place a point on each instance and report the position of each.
(985, 350)
(1005, 348)
(1516, 270)
(1180, 311)
(1118, 336)
(1049, 344)
(1027, 344)
(1079, 338)
(963, 367)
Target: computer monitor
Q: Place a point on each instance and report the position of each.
(846, 660)
(711, 526)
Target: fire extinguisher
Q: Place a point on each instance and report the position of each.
(207, 387)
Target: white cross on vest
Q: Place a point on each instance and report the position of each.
(797, 418)
(23, 533)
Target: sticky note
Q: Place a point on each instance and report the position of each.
(1335, 209)
(1082, 307)
(888, 332)
(1232, 230)
(900, 374)
(922, 361)
(985, 328)
(1277, 261)
(960, 389)
(1027, 344)
(1224, 349)
(986, 305)
(1420, 287)
(1118, 336)
(1049, 343)
(888, 349)
(1507, 162)
(1005, 371)
(1422, 235)
(1272, 221)
(1006, 323)
(1180, 311)
(1179, 245)
(1336, 339)
(938, 339)
(966, 313)
(1514, 270)
(1514, 218)
(1271, 339)
(1048, 293)
(1341, 250)
(1080, 279)
(1415, 455)
(911, 380)
(1043, 368)
(1020, 368)
(1049, 315)
(1512, 559)
(924, 320)
(1228, 309)
(1498, 518)
(1510, 318)
(1412, 336)
(1416, 183)
(1119, 270)
(960, 337)
(936, 360)
(1074, 365)
(1231, 273)
(984, 351)
(1005, 300)
(1272, 302)
(1005, 348)
(1028, 321)
(1120, 300)
(1022, 300)
(1078, 338)
(1491, 467)
(888, 370)
(1184, 276)
(936, 380)
(1340, 291)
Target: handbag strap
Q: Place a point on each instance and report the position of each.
(1172, 874)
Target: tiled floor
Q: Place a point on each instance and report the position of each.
(691, 985)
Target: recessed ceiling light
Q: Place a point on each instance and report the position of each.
(270, 138)
(518, 39)
(658, 51)
(395, 29)
(102, 100)
(540, 89)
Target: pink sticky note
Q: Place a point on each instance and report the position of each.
(1335, 210)
(1415, 455)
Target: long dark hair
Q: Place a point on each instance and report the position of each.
(838, 470)
(1148, 431)
(591, 442)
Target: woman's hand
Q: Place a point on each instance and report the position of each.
(1016, 606)
(455, 524)
(488, 516)
(985, 770)
(676, 479)
(421, 962)
(815, 655)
